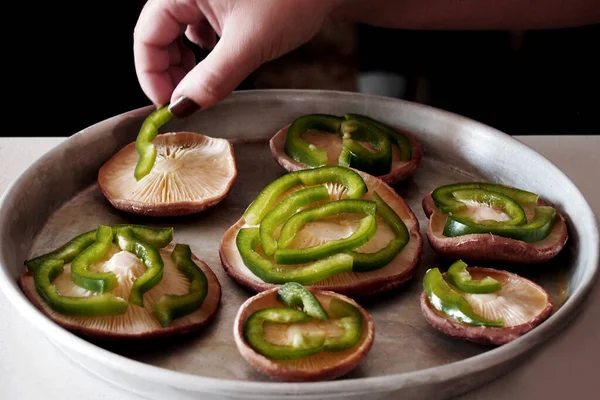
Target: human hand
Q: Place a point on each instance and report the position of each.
(251, 33)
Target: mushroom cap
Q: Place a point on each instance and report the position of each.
(192, 172)
(333, 145)
(394, 274)
(318, 367)
(137, 322)
(521, 303)
(488, 247)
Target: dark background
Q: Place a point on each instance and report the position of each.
(67, 66)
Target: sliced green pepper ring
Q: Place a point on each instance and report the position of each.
(404, 145)
(458, 276)
(98, 305)
(151, 258)
(293, 294)
(355, 155)
(285, 209)
(92, 280)
(496, 200)
(371, 261)
(247, 240)
(350, 319)
(445, 200)
(354, 183)
(537, 229)
(170, 307)
(448, 301)
(364, 232)
(303, 344)
(143, 144)
(157, 237)
(300, 150)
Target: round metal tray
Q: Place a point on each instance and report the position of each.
(57, 198)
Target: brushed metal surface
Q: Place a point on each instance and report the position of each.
(57, 198)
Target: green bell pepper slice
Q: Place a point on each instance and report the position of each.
(350, 319)
(448, 301)
(364, 232)
(150, 256)
(89, 306)
(295, 295)
(93, 280)
(157, 237)
(494, 200)
(247, 240)
(446, 202)
(402, 141)
(458, 276)
(364, 262)
(143, 144)
(356, 188)
(355, 155)
(537, 229)
(170, 307)
(303, 344)
(300, 150)
(285, 209)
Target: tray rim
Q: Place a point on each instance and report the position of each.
(181, 380)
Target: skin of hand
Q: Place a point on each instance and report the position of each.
(251, 33)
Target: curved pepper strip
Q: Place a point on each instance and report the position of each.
(299, 149)
(445, 201)
(458, 276)
(170, 307)
(404, 145)
(350, 319)
(448, 301)
(293, 294)
(264, 202)
(303, 344)
(93, 280)
(371, 261)
(494, 200)
(151, 258)
(143, 144)
(157, 237)
(355, 155)
(285, 209)
(363, 233)
(248, 239)
(537, 229)
(89, 306)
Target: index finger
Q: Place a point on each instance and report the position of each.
(160, 23)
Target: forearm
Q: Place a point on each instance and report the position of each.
(471, 14)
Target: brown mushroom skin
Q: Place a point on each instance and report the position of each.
(365, 287)
(481, 334)
(488, 247)
(214, 290)
(160, 209)
(278, 370)
(277, 145)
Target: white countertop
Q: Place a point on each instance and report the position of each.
(564, 367)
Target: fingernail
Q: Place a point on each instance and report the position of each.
(183, 107)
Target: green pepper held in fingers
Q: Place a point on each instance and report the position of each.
(170, 307)
(93, 280)
(293, 294)
(157, 237)
(355, 185)
(448, 301)
(151, 258)
(459, 276)
(89, 306)
(143, 144)
(364, 232)
(303, 344)
(248, 239)
(300, 150)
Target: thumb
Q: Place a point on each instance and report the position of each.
(237, 54)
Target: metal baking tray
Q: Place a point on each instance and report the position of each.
(58, 198)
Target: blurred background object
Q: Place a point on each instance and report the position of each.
(72, 66)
